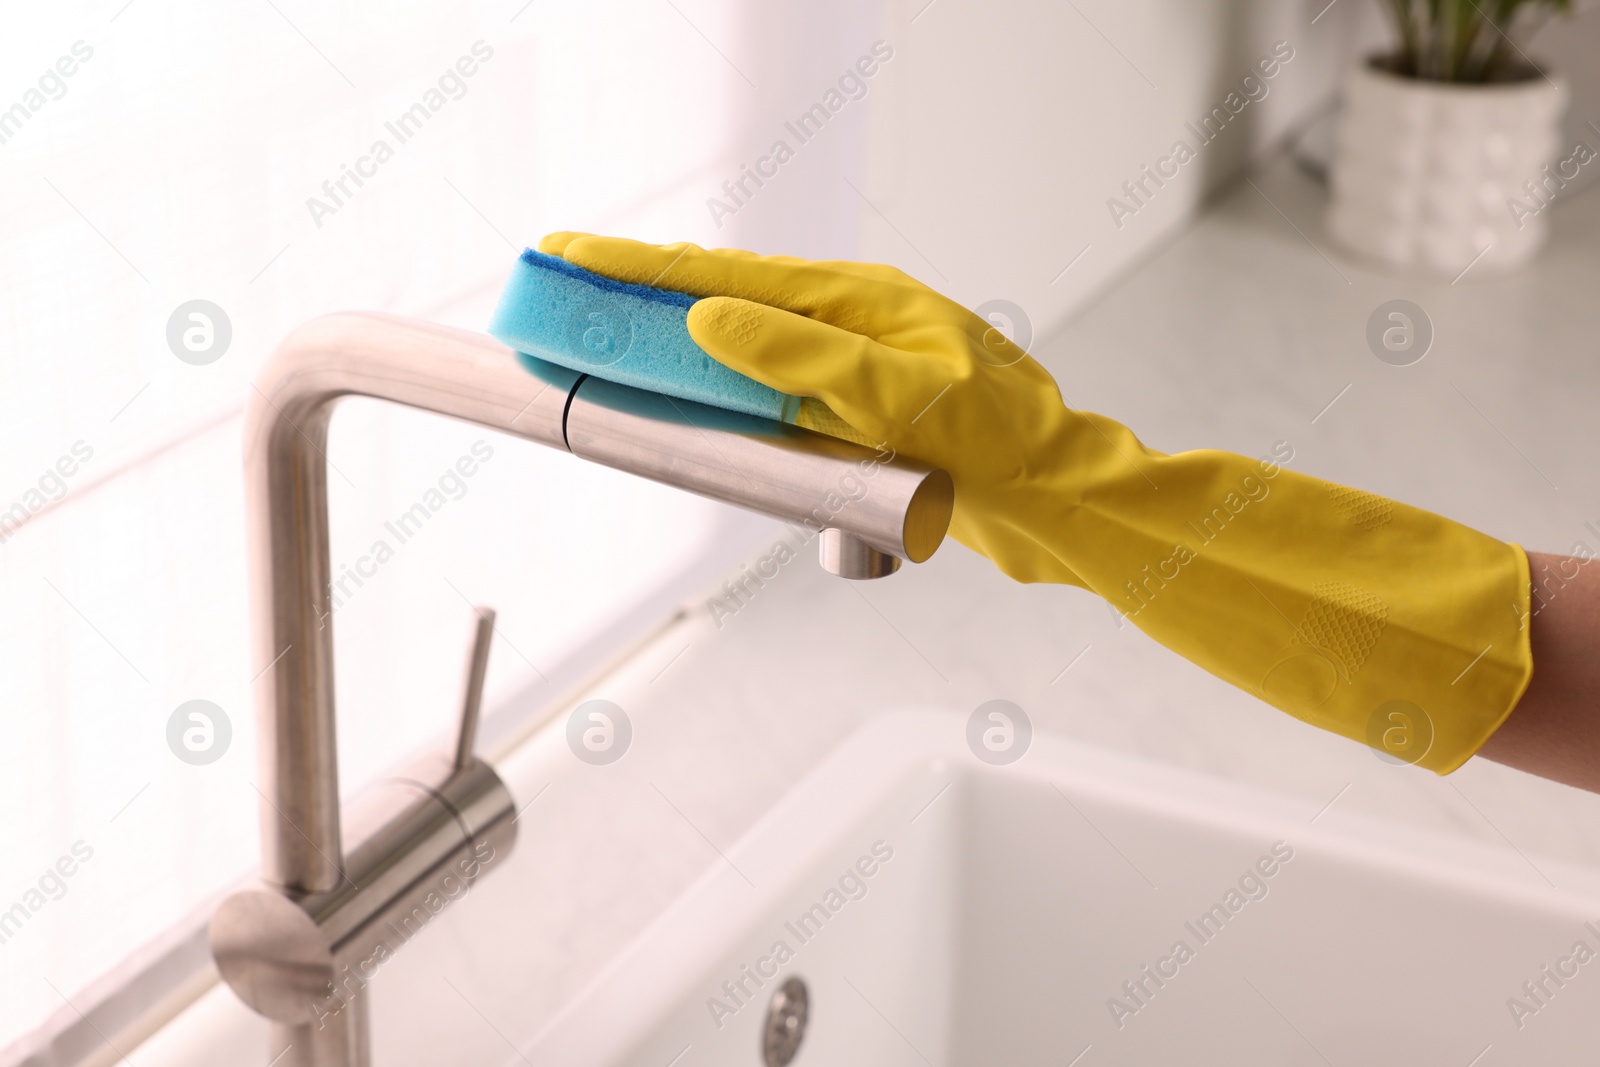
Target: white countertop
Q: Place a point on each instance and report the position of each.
(1242, 311)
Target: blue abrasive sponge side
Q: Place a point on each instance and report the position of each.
(630, 334)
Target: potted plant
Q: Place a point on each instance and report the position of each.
(1448, 147)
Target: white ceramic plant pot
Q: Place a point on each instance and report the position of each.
(1426, 174)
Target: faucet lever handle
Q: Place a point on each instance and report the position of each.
(472, 698)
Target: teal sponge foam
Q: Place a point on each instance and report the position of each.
(634, 335)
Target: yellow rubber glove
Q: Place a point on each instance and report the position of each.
(1378, 621)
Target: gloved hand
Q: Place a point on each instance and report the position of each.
(1378, 621)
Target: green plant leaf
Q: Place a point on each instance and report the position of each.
(1467, 41)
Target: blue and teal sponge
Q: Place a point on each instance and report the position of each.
(634, 335)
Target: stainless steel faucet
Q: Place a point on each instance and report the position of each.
(342, 891)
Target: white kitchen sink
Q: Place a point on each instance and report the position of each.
(944, 911)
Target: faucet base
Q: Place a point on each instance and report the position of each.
(344, 1041)
(307, 959)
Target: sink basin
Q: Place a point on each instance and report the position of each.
(1080, 907)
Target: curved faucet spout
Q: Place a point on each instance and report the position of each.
(434, 368)
(877, 508)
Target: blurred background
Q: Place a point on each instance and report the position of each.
(195, 152)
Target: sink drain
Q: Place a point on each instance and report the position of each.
(786, 1024)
